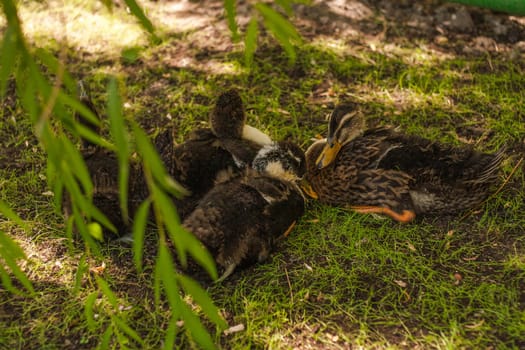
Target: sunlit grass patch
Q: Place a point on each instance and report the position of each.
(86, 26)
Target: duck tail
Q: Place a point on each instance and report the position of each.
(489, 172)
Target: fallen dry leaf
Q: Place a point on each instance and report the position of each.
(234, 329)
(475, 325)
(400, 283)
(98, 270)
(472, 258)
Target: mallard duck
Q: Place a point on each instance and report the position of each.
(380, 170)
(240, 218)
(228, 146)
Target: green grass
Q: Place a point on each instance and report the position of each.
(340, 279)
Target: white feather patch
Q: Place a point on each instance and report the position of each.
(255, 135)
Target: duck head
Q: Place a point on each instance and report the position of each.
(228, 118)
(311, 155)
(282, 159)
(345, 124)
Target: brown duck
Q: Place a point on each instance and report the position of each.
(241, 217)
(226, 148)
(380, 170)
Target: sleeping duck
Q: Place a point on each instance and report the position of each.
(241, 217)
(382, 171)
(227, 147)
(103, 167)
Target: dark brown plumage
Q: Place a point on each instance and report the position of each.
(240, 218)
(211, 153)
(382, 171)
(208, 154)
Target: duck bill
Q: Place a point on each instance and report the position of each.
(328, 154)
(308, 190)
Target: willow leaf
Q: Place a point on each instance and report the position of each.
(139, 227)
(120, 136)
(250, 42)
(202, 298)
(229, 7)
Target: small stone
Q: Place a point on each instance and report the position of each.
(461, 21)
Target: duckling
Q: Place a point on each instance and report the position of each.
(239, 219)
(227, 147)
(382, 171)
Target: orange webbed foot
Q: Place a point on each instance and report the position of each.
(404, 217)
(289, 229)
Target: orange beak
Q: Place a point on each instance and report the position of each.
(328, 154)
(308, 190)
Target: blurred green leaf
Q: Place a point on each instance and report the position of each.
(88, 310)
(128, 330)
(108, 293)
(196, 329)
(81, 227)
(136, 10)
(167, 275)
(10, 253)
(286, 6)
(250, 42)
(11, 215)
(95, 230)
(8, 59)
(170, 218)
(106, 339)
(73, 161)
(171, 333)
(130, 54)
(229, 7)
(153, 162)
(281, 29)
(120, 136)
(183, 240)
(202, 298)
(54, 65)
(139, 227)
(82, 268)
(199, 252)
